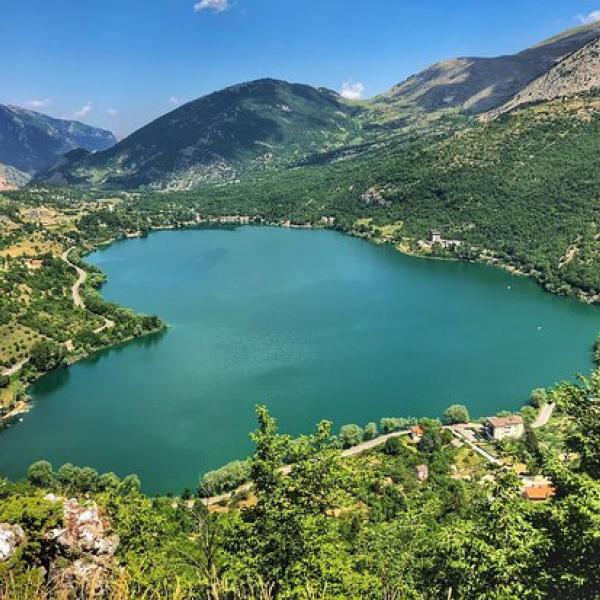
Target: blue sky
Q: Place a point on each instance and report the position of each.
(120, 63)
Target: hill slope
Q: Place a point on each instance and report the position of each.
(30, 141)
(481, 84)
(269, 125)
(577, 73)
(249, 127)
(11, 178)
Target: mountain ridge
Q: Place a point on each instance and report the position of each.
(268, 124)
(31, 141)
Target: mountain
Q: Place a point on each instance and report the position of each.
(268, 125)
(578, 73)
(31, 141)
(251, 127)
(478, 85)
(11, 178)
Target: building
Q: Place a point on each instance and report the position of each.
(436, 237)
(499, 428)
(538, 493)
(422, 473)
(416, 433)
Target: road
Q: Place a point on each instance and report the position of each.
(459, 435)
(81, 277)
(16, 367)
(544, 415)
(359, 449)
(76, 293)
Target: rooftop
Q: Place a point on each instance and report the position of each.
(505, 421)
(538, 492)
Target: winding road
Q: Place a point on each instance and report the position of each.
(353, 451)
(81, 277)
(75, 290)
(544, 415)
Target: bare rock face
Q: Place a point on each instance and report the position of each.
(86, 531)
(478, 85)
(374, 197)
(86, 539)
(11, 537)
(577, 73)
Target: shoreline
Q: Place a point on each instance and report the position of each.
(236, 221)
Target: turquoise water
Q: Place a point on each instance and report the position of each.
(313, 323)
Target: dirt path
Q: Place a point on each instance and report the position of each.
(359, 449)
(16, 367)
(544, 415)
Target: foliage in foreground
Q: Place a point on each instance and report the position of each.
(332, 528)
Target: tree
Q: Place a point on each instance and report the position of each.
(350, 435)
(538, 397)
(46, 355)
(225, 479)
(457, 413)
(370, 431)
(41, 474)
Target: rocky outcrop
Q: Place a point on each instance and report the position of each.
(11, 178)
(577, 73)
(478, 85)
(11, 538)
(374, 197)
(86, 530)
(87, 540)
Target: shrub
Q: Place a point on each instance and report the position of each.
(370, 431)
(538, 397)
(225, 479)
(457, 413)
(350, 435)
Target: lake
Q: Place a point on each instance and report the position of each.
(315, 324)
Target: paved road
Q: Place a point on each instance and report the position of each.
(544, 415)
(81, 277)
(359, 449)
(463, 438)
(75, 291)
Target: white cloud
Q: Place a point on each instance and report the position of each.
(352, 91)
(593, 17)
(217, 6)
(45, 103)
(85, 110)
(174, 100)
(113, 112)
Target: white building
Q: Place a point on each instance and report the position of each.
(499, 428)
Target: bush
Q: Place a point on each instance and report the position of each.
(41, 474)
(46, 355)
(350, 435)
(393, 446)
(225, 479)
(457, 413)
(4, 381)
(370, 432)
(538, 397)
(391, 424)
